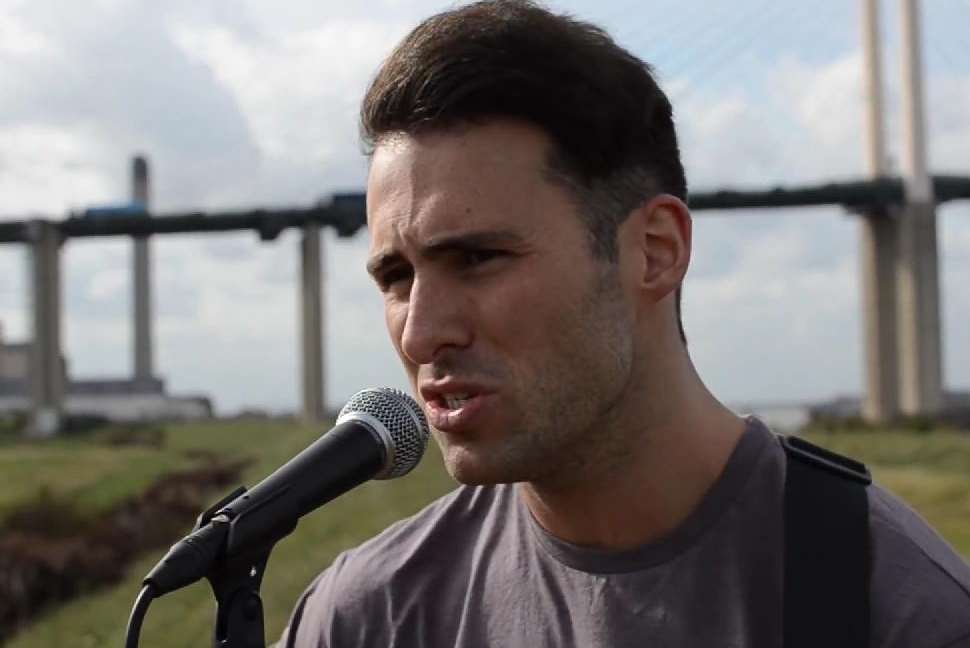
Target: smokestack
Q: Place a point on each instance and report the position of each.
(141, 274)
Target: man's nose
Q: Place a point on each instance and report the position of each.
(438, 317)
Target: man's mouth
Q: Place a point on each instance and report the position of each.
(456, 401)
(456, 411)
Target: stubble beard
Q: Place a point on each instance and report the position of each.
(566, 427)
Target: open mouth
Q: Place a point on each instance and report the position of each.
(455, 411)
(456, 401)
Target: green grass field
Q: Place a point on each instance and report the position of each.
(92, 476)
(931, 471)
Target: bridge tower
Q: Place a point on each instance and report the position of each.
(900, 262)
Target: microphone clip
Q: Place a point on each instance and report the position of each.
(235, 581)
(235, 577)
(206, 516)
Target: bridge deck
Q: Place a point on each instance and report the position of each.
(346, 212)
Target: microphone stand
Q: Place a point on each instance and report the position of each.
(232, 540)
(235, 582)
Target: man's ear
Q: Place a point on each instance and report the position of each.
(657, 239)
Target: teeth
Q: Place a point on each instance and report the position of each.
(456, 401)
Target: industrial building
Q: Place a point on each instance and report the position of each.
(114, 399)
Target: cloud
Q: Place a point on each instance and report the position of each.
(300, 95)
(772, 304)
(13, 298)
(19, 40)
(782, 323)
(45, 168)
(954, 238)
(111, 82)
(948, 122)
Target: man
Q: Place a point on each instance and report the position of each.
(529, 234)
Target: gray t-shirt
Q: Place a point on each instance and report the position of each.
(475, 569)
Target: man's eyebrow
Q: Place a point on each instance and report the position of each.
(472, 241)
(449, 243)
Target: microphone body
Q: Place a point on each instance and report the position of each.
(346, 456)
(380, 433)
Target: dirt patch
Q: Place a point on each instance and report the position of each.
(49, 554)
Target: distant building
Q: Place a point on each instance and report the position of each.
(791, 418)
(121, 400)
(954, 410)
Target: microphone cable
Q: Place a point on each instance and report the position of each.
(138, 611)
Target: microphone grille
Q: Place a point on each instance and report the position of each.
(405, 429)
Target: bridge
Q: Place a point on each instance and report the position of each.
(881, 202)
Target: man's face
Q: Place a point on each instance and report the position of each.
(517, 341)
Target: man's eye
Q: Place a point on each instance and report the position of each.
(393, 276)
(472, 258)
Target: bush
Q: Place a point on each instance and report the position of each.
(12, 424)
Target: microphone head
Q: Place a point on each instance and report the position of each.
(398, 421)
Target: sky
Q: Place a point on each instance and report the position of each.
(254, 103)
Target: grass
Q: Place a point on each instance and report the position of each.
(92, 475)
(97, 470)
(931, 471)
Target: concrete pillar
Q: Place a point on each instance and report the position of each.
(918, 291)
(916, 178)
(141, 280)
(918, 295)
(46, 368)
(311, 311)
(877, 248)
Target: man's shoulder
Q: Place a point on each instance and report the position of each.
(920, 585)
(391, 575)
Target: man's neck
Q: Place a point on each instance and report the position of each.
(647, 493)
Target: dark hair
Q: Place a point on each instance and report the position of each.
(610, 123)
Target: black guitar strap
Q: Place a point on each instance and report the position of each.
(826, 578)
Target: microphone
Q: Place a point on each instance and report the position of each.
(380, 434)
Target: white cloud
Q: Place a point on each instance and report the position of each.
(13, 298)
(782, 324)
(954, 237)
(300, 93)
(948, 122)
(18, 39)
(827, 101)
(772, 305)
(45, 168)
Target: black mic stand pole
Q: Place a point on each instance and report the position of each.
(236, 581)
